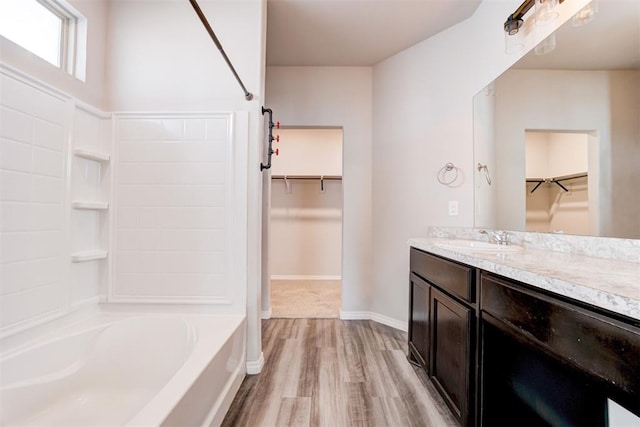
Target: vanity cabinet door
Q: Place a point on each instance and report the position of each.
(451, 353)
(419, 321)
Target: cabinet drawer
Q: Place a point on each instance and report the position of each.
(454, 278)
(605, 347)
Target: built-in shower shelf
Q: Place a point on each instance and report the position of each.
(91, 155)
(89, 205)
(84, 256)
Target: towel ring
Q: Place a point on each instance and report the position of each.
(445, 175)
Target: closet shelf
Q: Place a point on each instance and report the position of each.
(84, 256)
(556, 180)
(89, 205)
(92, 155)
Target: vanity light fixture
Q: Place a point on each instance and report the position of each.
(513, 40)
(545, 13)
(514, 21)
(586, 14)
(546, 45)
(513, 44)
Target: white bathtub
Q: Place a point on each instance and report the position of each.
(124, 369)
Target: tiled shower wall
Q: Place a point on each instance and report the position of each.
(175, 233)
(39, 127)
(174, 238)
(34, 238)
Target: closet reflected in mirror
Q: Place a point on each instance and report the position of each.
(305, 248)
(557, 182)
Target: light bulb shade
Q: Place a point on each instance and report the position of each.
(513, 43)
(585, 15)
(546, 11)
(546, 45)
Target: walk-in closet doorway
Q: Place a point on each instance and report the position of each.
(562, 175)
(305, 224)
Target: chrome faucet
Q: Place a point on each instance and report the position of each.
(500, 237)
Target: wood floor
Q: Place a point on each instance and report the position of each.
(331, 372)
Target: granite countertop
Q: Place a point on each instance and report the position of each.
(610, 284)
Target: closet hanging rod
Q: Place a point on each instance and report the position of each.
(247, 95)
(310, 177)
(556, 180)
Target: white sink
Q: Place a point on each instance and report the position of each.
(476, 245)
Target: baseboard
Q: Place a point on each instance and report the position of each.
(379, 318)
(254, 367)
(355, 315)
(389, 321)
(303, 277)
(266, 314)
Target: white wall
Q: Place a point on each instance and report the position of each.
(625, 154)
(161, 57)
(306, 230)
(568, 153)
(485, 204)
(308, 152)
(553, 154)
(337, 97)
(423, 118)
(92, 90)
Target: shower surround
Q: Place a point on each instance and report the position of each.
(135, 213)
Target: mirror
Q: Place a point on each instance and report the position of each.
(589, 85)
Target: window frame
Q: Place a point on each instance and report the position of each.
(73, 34)
(69, 20)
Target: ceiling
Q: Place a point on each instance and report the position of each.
(365, 32)
(354, 32)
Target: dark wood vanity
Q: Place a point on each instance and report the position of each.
(501, 352)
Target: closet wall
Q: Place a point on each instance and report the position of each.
(306, 210)
(549, 208)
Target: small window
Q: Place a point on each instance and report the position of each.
(47, 28)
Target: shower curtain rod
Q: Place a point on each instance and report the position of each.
(247, 95)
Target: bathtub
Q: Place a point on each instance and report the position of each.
(117, 369)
